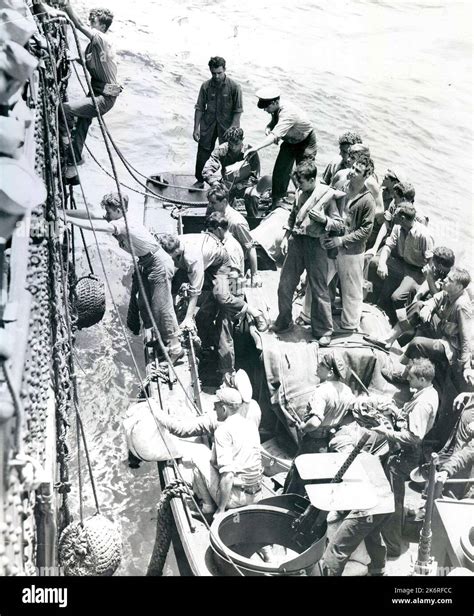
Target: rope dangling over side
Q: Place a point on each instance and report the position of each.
(164, 526)
(91, 548)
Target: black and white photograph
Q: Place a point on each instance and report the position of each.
(236, 308)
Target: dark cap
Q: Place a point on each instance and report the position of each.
(266, 96)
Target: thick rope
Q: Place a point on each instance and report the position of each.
(164, 527)
(132, 170)
(74, 207)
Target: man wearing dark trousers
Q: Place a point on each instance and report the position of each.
(219, 106)
(314, 216)
(290, 125)
(203, 257)
(101, 63)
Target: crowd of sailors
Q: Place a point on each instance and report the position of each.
(354, 235)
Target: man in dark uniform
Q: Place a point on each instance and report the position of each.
(219, 106)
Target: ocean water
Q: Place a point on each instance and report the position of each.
(399, 72)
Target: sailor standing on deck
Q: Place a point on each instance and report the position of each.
(155, 265)
(219, 106)
(290, 125)
(102, 66)
(314, 216)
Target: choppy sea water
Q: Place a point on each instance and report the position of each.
(399, 72)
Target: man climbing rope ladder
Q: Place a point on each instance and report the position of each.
(102, 66)
(156, 267)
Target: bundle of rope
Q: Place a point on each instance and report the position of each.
(89, 295)
(90, 548)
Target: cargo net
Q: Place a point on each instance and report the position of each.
(48, 350)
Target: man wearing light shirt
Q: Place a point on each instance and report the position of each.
(154, 264)
(412, 424)
(205, 260)
(218, 198)
(290, 125)
(101, 63)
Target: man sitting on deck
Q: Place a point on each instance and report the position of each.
(154, 264)
(409, 317)
(226, 154)
(328, 410)
(233, 477)
(413, 423)
(445, 340)
(406, 252)
(229, 475)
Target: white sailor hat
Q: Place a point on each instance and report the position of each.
(15, 27)
(16, 61)
(228, 395)
(12, 136)
(266, 96)
(243, 385)
(20, 188)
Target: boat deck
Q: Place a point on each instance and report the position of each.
(192, 536)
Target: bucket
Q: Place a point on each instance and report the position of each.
(239, 535)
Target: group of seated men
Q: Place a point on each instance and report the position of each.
(229, 475)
